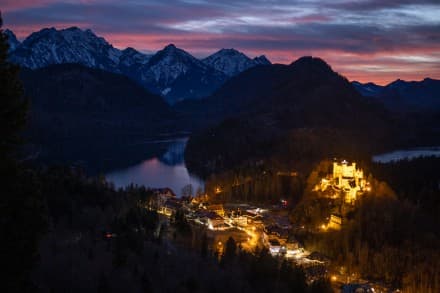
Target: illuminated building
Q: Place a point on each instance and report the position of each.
(345, 179)
(216, 208)
(348, 179)
(335, 222)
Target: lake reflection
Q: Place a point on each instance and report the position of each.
(169, 170)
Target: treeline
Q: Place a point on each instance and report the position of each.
(247, 166)
(416, 180)
(256, 183)
(387, 242)
(87, 236)
(256, 271)
(239, 144)
(57, 218)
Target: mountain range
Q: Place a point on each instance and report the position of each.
(171, 72)
(176, 75)
(404, 96)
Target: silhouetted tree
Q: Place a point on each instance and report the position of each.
(21, 221)
(181, 224)
(204, 245)
(13, 105)
(230, 251)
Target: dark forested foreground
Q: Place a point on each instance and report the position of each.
(65, 231)
(77, 234)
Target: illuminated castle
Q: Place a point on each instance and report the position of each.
(348, 179)
(345, 179)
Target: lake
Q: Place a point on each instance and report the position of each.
(165, 170)
(407, 154)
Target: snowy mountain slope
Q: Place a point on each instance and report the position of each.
(171, 72)
(130, 57)
(177, 75)
(71, 45)
(232, 62)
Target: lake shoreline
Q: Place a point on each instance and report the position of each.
(164, 170)
(406, 154)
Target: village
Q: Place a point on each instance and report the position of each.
(268, 226)
(252, 227)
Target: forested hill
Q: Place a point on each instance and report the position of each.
(74, 107)
(303, 111)
(307, 88)
(73, 88)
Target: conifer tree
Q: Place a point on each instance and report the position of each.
(21, 209)
(13, 105)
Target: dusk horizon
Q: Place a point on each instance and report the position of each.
(366, 41)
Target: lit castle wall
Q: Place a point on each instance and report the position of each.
(348, 179)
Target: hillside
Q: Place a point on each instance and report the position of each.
(292, 114)
(74, 108)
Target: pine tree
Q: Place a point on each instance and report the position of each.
(21, 209)
(13, 105)
(204, 245)
(230, 251)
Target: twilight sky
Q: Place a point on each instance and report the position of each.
(366, 40)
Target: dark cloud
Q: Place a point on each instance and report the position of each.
(114, 16)
(369, 5)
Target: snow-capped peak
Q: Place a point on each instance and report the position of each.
(171, 54)
(70, 45)
(231, 62)
(170, 63)
(130, 56)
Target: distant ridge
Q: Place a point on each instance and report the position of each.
(407, 96)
